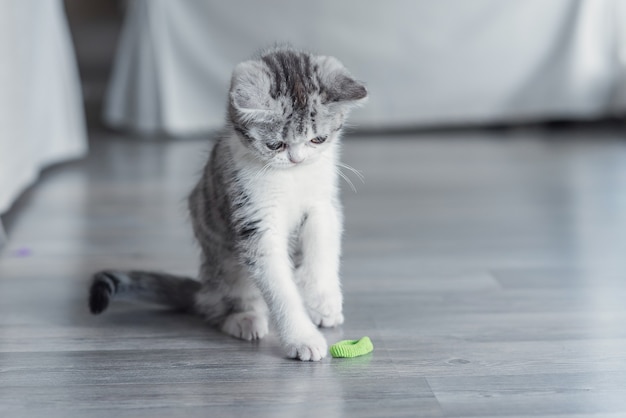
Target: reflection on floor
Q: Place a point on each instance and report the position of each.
(488, 268)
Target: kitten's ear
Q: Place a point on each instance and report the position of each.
(250, 92)
(342, 88)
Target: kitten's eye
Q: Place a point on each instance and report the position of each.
(276, 146)
(319, 139)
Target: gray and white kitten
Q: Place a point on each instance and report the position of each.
(266, 211)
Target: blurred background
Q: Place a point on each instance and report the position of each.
(157, 67)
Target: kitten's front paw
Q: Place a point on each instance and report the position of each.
(310, 348)
(246, 325)
(326, 320)
(326, 310)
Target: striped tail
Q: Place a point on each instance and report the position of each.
(176, 292)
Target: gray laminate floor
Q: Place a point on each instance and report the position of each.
(488, 268)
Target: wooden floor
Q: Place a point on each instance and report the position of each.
(488, 268)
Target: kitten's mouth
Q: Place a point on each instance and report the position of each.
(286, 166)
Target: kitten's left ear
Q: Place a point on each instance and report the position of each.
(249, 92)
(341, 86)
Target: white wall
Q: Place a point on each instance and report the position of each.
(41, 111)
(426, 62)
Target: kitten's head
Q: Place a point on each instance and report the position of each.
(288, 107)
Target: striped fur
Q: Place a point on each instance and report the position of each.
(266, 209)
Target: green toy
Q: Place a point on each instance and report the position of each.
(352, 348)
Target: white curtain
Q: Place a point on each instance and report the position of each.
(425, 62)
(41, 113)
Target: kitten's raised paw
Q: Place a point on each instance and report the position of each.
(312, 348)
(326, 321)
(246, 325)
(327, 312)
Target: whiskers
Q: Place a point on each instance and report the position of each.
(351, 169)
(262, 171)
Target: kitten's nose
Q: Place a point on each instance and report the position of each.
(296, 159)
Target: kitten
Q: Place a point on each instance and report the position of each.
(266, 211)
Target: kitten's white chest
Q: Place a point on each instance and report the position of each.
(293, 192)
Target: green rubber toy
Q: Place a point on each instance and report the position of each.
(352, 348)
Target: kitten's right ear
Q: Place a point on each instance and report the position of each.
(341, 86)
(250, 92)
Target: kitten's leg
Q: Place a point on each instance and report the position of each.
(247, 325)
(318, 274)
(270, 267)
(229, 301)
(249, 319)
